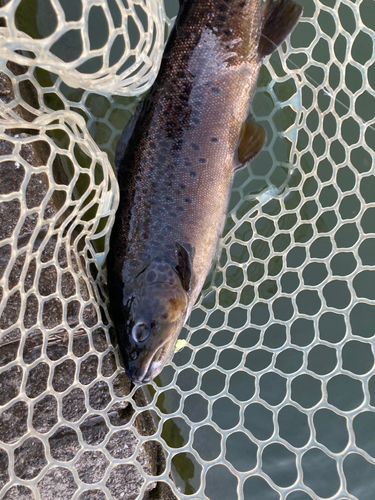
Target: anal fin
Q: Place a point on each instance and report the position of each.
(252, 140)
(279, 19)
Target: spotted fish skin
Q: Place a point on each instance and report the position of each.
(175, 162)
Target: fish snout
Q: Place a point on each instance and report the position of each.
(135, 375)
(145, 360)
(151, 365)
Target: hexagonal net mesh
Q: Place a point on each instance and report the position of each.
(109, 46)
(273, 396)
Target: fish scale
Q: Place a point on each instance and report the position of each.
(175, 162)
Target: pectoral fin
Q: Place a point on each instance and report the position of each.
(279, 19)
(184, 266)
(252, 140)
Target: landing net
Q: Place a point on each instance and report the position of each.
(273, 395)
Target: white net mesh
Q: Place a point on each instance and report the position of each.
(101, 46)
(273, 397)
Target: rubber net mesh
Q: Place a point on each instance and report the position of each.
(273, 396)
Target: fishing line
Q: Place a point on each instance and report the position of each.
(316, 86)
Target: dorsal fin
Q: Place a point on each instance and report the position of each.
(252, 139)
(184, 266)
(279, 19)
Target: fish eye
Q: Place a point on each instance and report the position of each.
(152, 324)
(140, 332)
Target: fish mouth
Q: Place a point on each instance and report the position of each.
(148, 370)
(145, 368)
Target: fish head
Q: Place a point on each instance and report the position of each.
(156, 307)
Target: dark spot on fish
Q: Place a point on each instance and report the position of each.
(152, 145)
(168, 198)
(187, 200)
(196, 121)
(169, 227)
(228, 32)
(202, 160)
(214, 139)
(192, 174)
(242, 4)
(216, 90)
(151, 276)
(222, 18)
(223, 8)
(180, 74)
(144, 191)
(187, 162)
(182, 186)
(185, 57)
(180, 209)
(195, 146)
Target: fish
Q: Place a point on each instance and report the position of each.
(176, 160)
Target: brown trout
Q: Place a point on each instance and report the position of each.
(175, 164)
